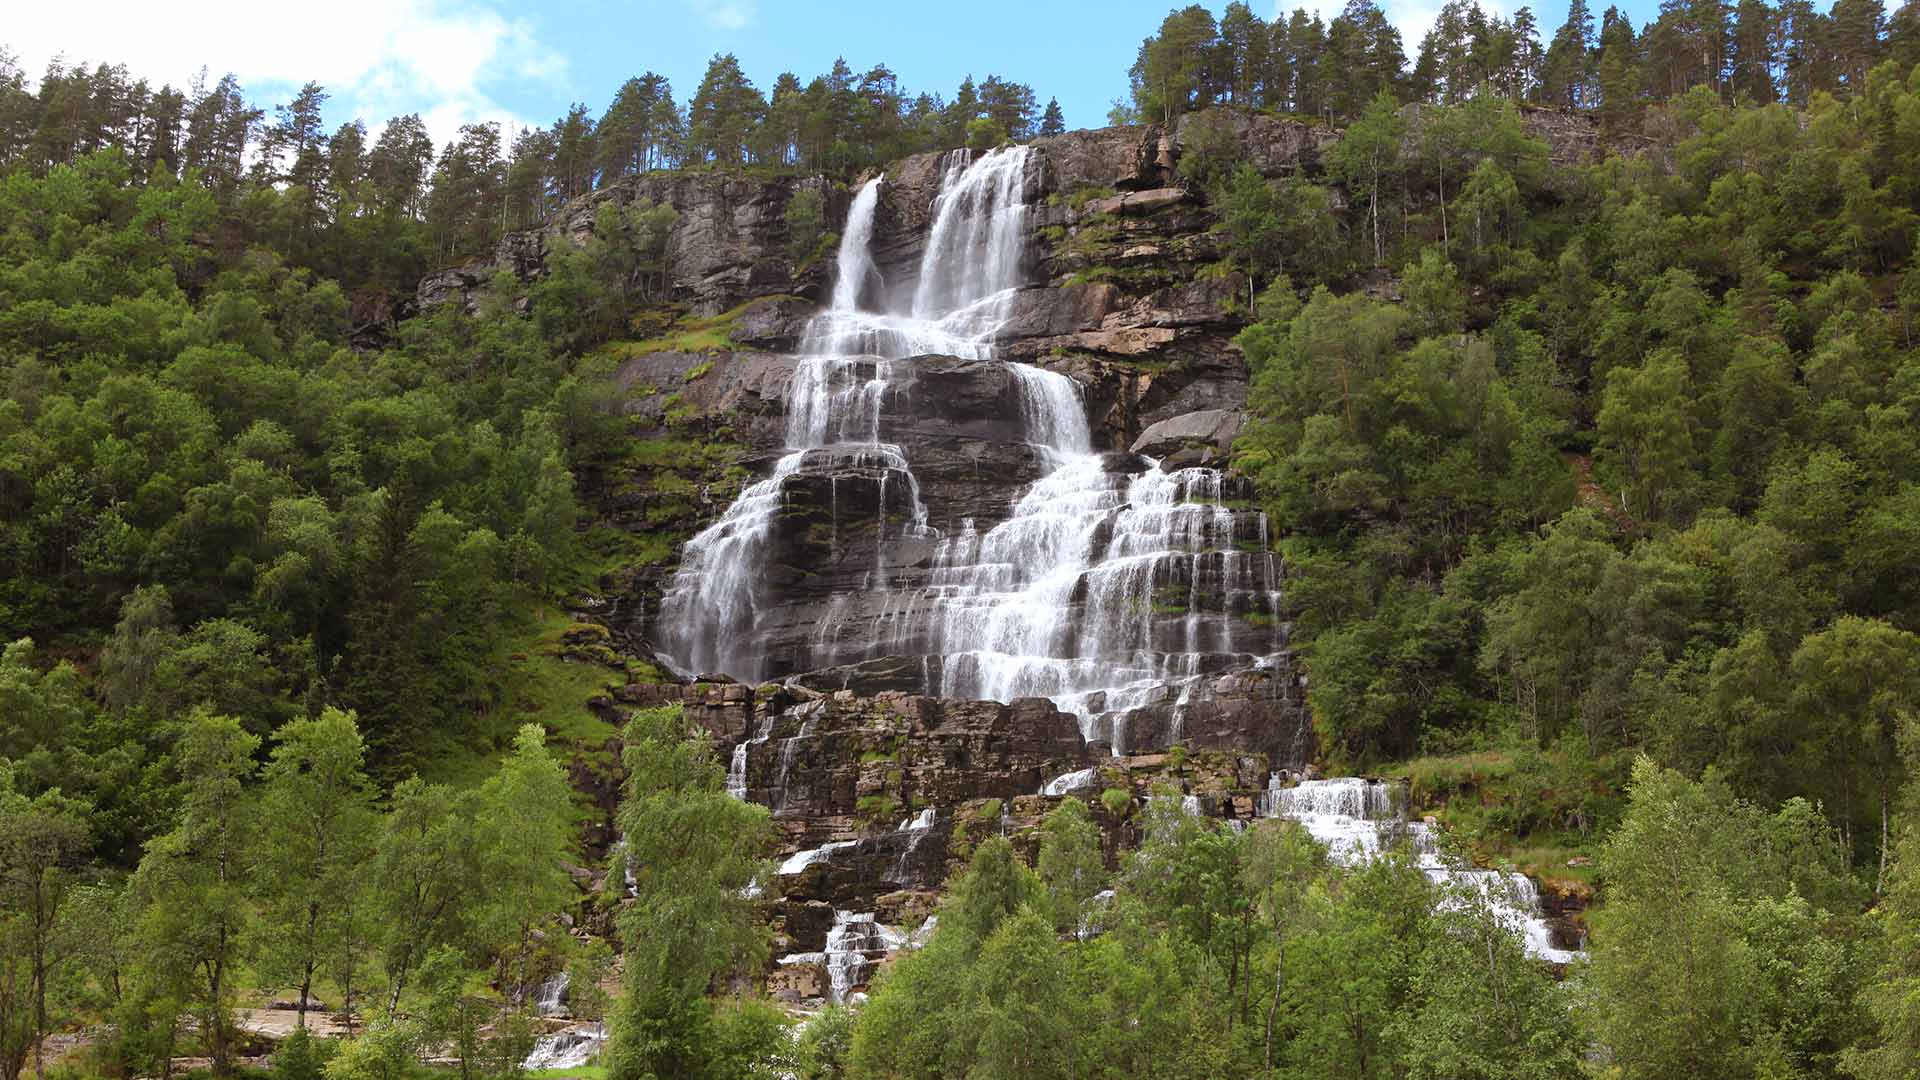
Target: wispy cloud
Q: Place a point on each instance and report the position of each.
(377, 58)
(726, 15)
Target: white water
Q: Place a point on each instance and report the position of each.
(552, 1000)
(1356, 819)
(571, 1048)
(856, 945)
(915, 829)
(800, 860)
(1068, 782)
(1108, 588)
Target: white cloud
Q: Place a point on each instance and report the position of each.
(726, 15)
(376, 58)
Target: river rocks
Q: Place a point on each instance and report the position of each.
(721, 708)
(1250, 710)
(1195, 438)
(839, 766)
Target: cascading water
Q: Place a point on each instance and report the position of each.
(1356, 819)
(569, 1048)
(1112, 585)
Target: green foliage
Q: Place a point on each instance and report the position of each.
(1727, 932)
(1218, 954)
(318, 826)
(1070, 863)
(806, 222)
(824, 1043)
(695, 853)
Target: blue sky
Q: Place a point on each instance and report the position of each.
(523, 63)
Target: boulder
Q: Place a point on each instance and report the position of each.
(1195, 438)
(1136, 203)
(1209, 301)
(1053, 312)
(776, 322)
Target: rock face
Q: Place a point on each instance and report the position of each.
(1275, 145)
(866, 544)
(728, 246)
(869, 538)
(1195, 438)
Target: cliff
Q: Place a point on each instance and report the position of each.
(880, 777)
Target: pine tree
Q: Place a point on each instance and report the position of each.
(723, 114)
(398, 166)
(1243, 38)
(1750, 54)
(1565, 81)
(1052, 122)
(1617, 73)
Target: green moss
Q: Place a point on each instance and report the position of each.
(711, 334)
(877, 808)
(827, 245)
(697, 373)
(1080, 197)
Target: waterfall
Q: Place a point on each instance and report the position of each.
(800, 860)
(552, 999)
(915, 829)
(1068, 783)
(1112, 586)
(569, 1048)
(737, 772)
(855, 946)
(1356, 819)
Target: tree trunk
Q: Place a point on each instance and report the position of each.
(1273, 1006)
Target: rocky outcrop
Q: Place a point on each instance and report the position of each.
(741, 393)
(728, 246)
(1274, 145)
(1196, 438)
(1124, 158)
(840, 766)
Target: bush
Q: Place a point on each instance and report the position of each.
(806, 214)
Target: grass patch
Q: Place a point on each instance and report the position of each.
(877, 808)
(1517, 805)
(1080, 197)
(540, 683)
(711, 334)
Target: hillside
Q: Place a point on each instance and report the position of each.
(1333, 575)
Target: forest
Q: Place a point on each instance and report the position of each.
(1600, 492)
